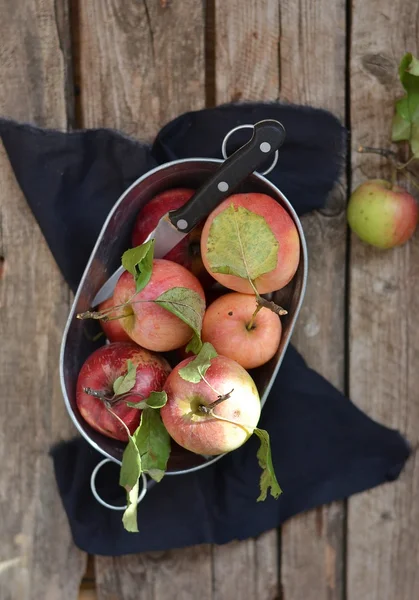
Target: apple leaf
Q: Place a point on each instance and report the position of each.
(147, 451)
(129, 479)
(264, 456)
(189, 307)
(194, 370)
(155, 400)
(153, 443)
(241, 243)
(406, 118)
(125, 383)
(139, 262)
(129, 518)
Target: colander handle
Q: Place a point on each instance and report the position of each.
(95, 492)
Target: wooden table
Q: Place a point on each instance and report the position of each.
(133, 65)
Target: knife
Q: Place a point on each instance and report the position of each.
(268, 136)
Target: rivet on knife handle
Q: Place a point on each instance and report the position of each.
(267, 137)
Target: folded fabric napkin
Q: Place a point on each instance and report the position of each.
(324, 448)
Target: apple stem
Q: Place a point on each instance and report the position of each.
(207, 410)
(412, 180)
(250, 324)
(100, 394)
(393, 175)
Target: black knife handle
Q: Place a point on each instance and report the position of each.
(268, 136)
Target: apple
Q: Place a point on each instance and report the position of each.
(113, 329)
(282, 227)
(187, 252)
(382, 214)
(203, 433)
(148, 324)
(228, 325)
(98, 374)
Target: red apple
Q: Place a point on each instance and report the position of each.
(203, 433)
(229, 327)
(282, 227)
(113, 329)
(99, 372)
(187, 252)
(150, 325)
(382, 214)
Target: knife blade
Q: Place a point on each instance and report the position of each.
(268, 136)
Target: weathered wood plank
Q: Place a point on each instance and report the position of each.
(312, 67)
(182, 574)
(383, 539)
(37, 556)
(246, 58)
(141, 64)
(246, 50)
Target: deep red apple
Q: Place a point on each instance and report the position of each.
(228, 325)
(202, 433)
(188, 252)
(99, 372)
(113, 329)
(147, 323)
(283, 229)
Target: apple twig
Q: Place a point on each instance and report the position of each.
(110, 400)
(100, 394)
(392, 156)
(271, 305)
(386, 152)
(207, 410)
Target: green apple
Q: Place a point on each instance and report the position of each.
(382, 214)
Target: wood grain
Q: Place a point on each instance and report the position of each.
(312, 71)
(182, 574)
(383, 540)
(246, 58)
(37, 556)
(141, 64)
(246, 50)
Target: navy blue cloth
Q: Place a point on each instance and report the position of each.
(324, 448)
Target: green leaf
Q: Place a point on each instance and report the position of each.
(400, 129)
(139, 262)
(155, 400)
(189, 307)
(147, 451)
(128, 478)
(413, 66)
(125, 383)
(197, 368)
(153, 443)
(129, 518)
(268, 478)
(241, 243)
(406, 119)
